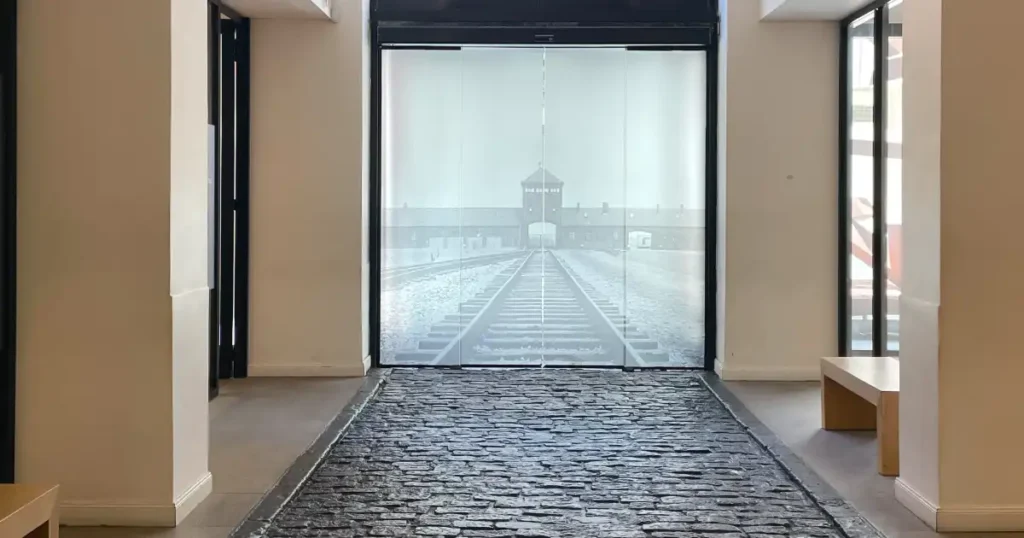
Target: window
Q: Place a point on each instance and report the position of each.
(871, 181)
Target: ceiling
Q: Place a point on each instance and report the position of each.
(282, 9)
(809, 10)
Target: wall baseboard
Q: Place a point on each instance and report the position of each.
(981, 519)
(921, 507)
(741, 373)
(113, 514)
(962, 518)
(307, 370)
(367, 364)
(188, 501)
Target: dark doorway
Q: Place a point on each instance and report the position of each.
(8, 237)
(229, 197)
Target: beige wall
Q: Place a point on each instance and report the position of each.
(963, 164)
(112, 312)
(779, 183)
(308, 180)
(982, 256)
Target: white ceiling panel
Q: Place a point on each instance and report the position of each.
(282, 9)
(809, 10)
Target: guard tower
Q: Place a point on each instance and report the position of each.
(542, 202)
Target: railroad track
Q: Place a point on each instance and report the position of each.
(536, 313)
(395, 276)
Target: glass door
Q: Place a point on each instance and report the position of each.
(665, 201)
(505, 183)
(584, 178)
(871, 103)
(543, 206)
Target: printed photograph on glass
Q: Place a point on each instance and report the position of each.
(543, 207)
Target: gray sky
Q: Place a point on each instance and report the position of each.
(465, 127)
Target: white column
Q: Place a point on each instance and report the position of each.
(963, 299)
(309, 255)
(777, 191)
(112, 252)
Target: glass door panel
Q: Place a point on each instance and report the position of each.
(501, 154)
(862, 71)
(665, 197)
(583, 178)
(421, 255)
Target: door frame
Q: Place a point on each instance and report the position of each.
(882, 30)
(705, 37)
(229, 114)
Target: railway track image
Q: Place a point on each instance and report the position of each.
(537, 312)
(396, 276)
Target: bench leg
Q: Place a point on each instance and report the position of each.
(889, 435)
(46, 530)
(50, 529)
(841, 409)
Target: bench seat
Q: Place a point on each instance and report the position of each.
(28, 511)
(863, 393)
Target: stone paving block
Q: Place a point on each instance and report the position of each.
(548, 453)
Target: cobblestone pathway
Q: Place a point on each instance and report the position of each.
(545, 453)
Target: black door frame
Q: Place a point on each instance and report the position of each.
(702, 36)
(881, 30)
(8, 233)
(229, 38)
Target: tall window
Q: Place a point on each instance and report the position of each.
(871, 181)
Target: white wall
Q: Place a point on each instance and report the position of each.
(982, 293)
(779, 184)
(112, 228)
(308, 178)
(960, 368)
(919, 303)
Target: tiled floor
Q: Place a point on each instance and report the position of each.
(846, 460)
(258, 427)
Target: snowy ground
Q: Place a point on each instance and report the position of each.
(403, 257)
(661, 291)
(408, 312)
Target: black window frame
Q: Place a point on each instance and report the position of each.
(447, 35)
(882, 30)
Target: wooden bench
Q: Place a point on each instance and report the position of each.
(28, 511)
(863, 393)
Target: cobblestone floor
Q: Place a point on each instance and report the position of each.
(548, 453)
